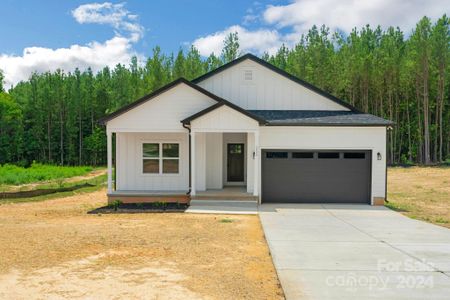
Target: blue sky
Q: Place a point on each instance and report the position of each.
(49, 34)
(49, 23)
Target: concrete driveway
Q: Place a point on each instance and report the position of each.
(356, 252)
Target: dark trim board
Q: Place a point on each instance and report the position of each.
(329, 124)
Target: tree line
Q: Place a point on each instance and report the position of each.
(52, 117)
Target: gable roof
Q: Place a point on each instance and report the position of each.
(319, 118)
(280, 72)
(223, 102)
(354, 117)
(154, 94)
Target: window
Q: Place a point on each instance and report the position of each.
(354, 155)
(328, 155)
(170, 158)
(276, 155)
(302, 155)
(235, 148)
(248, 75)
(160, 158)
(150, 153)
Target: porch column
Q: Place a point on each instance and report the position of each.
(256, 165)
(109, 158)
(193, 163)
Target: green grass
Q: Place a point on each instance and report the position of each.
(226, 221)
(14, 175)
(98, 182)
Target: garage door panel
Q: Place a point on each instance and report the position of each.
(316, 180)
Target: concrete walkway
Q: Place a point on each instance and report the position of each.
(235, 207)
(356, 252)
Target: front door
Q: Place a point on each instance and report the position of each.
(235, 162)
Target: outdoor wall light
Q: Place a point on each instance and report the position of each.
(254, 154)
(379, 156)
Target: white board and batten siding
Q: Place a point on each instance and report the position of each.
(155, 121)
(333, 138)
(129, 162)
(264, 89)
(224, 119)
(162, 113)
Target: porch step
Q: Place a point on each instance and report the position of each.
(225, 197)
(239, 207)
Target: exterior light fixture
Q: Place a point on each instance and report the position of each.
(379, 156)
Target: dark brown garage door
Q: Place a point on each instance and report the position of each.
(308, 176)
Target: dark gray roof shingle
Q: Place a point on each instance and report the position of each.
(319, 117)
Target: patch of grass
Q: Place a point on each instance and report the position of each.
(421, 193)
(98, 182)
(441, 220)
(226, 220)
(15, 175)
(397, 206)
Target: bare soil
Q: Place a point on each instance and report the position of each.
(55, 250)
(421, 193)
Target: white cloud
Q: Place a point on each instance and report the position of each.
(254, 41)
(96, 55)
(38, 59)
(111, 14)
(300, 15)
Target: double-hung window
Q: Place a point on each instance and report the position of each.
(160, 158)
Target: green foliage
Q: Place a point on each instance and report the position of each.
(10, 129)
(226, 220)
(230, 49)
(1, 81)
(116, 204)
(52, 117)
(14, 175)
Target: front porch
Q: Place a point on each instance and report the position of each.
(214, 157)
(227, 193)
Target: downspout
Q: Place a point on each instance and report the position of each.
(189, 130)
(386, 166)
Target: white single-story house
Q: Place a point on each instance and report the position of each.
(246, 130)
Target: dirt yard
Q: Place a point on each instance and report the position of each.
(421, 193)
(55, 250)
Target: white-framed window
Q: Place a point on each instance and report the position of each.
(160, 158)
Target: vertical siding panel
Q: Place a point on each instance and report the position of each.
(273, 90)
(130, 163)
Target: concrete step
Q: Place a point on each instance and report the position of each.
(226, 197)
(223, 207)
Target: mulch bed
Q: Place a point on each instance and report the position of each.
(128, 208)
